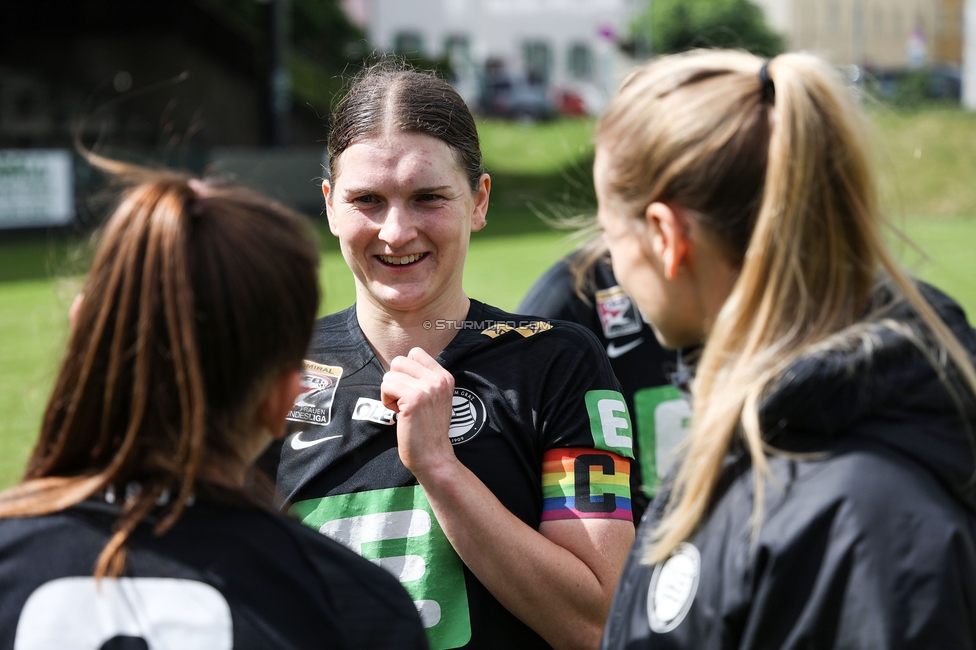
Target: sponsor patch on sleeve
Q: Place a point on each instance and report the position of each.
(585, 484)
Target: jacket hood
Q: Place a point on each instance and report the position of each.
(884, 387)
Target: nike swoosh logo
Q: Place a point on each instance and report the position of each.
(297, 443)
(613, 351)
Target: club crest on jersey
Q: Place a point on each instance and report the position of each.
(618, 314)
(467, 416)
(314, 403)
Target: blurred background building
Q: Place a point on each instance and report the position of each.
(243, 88)
(881, 34)
(520, 58)
(883, 38)
(969, 55)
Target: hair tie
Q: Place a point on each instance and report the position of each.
(768, 89)
(200, 195)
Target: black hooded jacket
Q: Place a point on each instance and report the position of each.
(869, 535)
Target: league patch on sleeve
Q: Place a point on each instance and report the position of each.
(585, 484)
(314, 403)
(617, 312)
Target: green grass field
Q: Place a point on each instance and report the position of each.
(926, 159)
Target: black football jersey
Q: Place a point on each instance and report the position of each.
(537, 415)
(661, 413)
(224, 577)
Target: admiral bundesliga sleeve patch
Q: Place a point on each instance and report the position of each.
(585, 484)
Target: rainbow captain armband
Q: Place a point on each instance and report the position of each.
(585, 484)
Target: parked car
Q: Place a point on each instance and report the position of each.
(516, 97)
(912, 86)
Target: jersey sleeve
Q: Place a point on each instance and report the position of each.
(587, 435)
(553, 296)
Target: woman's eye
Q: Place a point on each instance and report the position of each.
(428, 197)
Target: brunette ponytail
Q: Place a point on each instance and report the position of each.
(197, 295)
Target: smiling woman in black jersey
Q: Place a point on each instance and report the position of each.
(481, 456)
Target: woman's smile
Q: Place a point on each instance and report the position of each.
(404, 260)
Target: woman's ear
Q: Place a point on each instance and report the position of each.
(668, 235)
(327, 195)
(278, 400)
(479, 218)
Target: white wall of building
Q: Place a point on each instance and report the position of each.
(778, 13)
(500, 29)
(969, 55)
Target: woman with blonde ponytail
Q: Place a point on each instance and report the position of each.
(826, 494)
(138, 522)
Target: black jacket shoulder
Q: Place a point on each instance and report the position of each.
(869, 531)
(283, 585)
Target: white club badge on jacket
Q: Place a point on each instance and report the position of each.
(672, 589)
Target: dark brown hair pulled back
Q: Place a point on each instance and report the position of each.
(197, 296)
(392, 96)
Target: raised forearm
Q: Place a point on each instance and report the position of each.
(554, 591)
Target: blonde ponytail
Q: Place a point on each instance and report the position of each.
(809, 245)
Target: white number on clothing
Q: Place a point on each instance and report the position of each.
(167, 613)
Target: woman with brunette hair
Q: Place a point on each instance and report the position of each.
(481, 456)
(825, 494)
(137, 517)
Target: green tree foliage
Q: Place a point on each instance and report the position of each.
(677, 25)
(322, 45)
(316, 29)
(321, 31)
(324, 48)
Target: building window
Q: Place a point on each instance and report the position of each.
(580, 61)
(538, 61)
(408, 43)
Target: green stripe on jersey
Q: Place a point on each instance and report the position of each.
(396, 529)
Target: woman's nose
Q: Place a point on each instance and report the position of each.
(398, 227)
